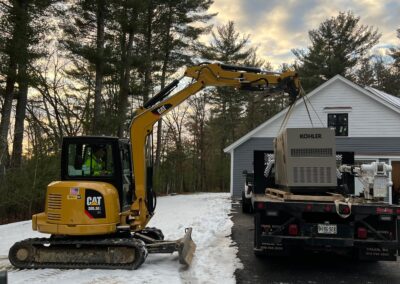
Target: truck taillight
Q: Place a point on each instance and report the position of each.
(362, 233)
(344, 209)
(293, 229)
(260, 205)
(308, 207)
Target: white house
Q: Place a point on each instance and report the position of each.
(367, 122)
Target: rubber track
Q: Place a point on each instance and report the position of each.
(137, 245)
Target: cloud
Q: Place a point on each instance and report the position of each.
(277, 27)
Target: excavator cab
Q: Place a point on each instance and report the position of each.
(101, 159)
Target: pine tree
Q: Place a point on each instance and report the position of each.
(365, 74)
(24, 27)
(258, 105)
(129, 21)
(227, 105)
(230, 47)
(177, 36)
(378, 73)
(85, 37)
(395, 54)
(197, 119)
(384, 77)
(337, 46)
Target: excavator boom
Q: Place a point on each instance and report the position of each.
(203, 75)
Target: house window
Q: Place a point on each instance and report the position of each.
(339, 122)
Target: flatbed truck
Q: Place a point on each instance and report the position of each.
(289, 218)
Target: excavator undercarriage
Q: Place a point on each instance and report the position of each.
(113, 252)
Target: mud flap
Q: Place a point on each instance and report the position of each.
(376, 253)
(186, 248)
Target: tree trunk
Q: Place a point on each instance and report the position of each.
(124, 81)
(224, 138)
(167, 51)
(17, 52)
(99, 66)
(202, 155)
(20, 118)
(6, 112)
(148, 54)
(159, 130)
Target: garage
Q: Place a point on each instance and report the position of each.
(366, 122)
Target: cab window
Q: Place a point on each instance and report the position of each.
(90, 160)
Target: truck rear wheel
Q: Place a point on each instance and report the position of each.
(247, 207)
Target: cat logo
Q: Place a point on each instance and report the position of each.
(94, 204)
(93, 201)
(161, 109)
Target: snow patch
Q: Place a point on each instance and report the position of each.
(215, 260)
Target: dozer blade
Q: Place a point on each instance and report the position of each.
(186, 248)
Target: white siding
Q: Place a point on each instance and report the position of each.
(367, 118)
(231, 181)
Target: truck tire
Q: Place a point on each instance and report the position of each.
(246, 204)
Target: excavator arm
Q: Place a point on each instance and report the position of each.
(203, 75)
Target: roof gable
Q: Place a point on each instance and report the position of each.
(379, 96)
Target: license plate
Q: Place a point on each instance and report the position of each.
(327, 229)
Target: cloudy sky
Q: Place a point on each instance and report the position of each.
(277, 26)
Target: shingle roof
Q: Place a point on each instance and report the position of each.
(395, 101)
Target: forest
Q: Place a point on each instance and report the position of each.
(82, 67)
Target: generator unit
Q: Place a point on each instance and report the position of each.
(305, 160)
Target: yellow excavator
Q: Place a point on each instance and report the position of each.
(97, 213)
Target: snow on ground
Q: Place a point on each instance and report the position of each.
(215, 258)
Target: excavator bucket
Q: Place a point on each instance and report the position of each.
(186, 248)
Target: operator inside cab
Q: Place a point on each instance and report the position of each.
(95, 163)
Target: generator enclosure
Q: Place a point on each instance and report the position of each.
(305, 160)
